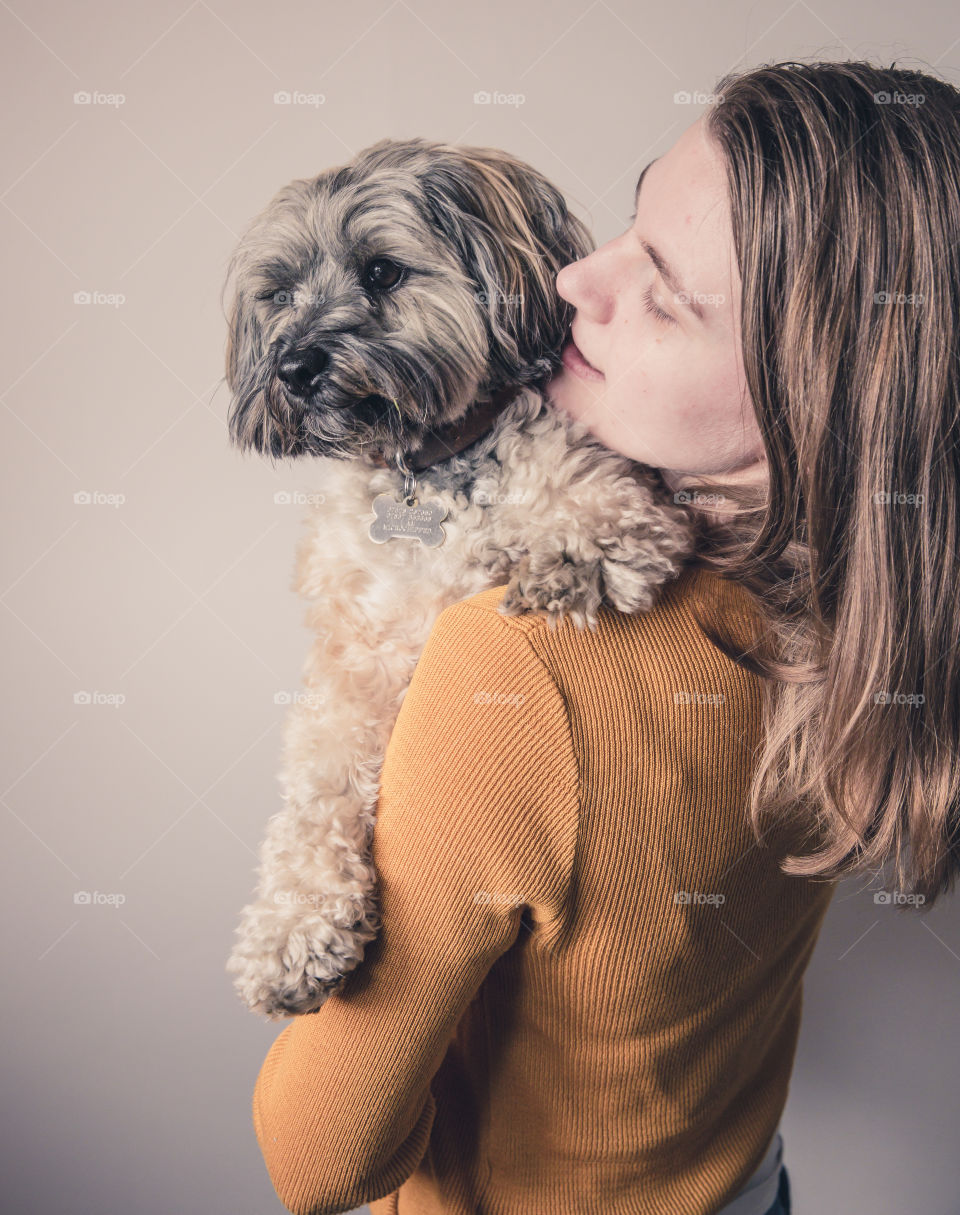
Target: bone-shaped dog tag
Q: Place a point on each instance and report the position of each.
(416, 521)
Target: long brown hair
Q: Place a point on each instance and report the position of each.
(844, 185)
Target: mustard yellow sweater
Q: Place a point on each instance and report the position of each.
(586, 994)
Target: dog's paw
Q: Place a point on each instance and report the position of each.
(555, 586)
(283, 969)
(284, 993)
(636, 566)
(625, 571)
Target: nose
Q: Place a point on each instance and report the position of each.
(590, 283)
(301, 370)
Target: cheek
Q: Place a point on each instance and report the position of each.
(658, 373)
(730, 396)
(681, 395)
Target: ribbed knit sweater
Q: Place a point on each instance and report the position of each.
(586, 994)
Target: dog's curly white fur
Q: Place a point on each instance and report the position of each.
(535, 503)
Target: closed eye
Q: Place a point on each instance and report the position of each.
(654, 308)
(649, 302)
(277, 295)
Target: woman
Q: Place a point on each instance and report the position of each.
(605, 858)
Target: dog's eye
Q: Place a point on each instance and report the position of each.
(381, 274)
(279, 295)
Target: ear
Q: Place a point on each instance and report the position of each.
(514, 233)
(243, 354)
(244, 335)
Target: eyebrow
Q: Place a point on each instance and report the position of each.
(667, 272)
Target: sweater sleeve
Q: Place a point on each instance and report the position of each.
(476, 824)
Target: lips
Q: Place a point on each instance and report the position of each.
(587, 361)
(575, 360)
(580, 351)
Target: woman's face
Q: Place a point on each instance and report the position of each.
(667, 391)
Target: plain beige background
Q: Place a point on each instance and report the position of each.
(163, 600)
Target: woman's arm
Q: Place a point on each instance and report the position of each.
(477, 819)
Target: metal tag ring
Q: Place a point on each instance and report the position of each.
(409, 480)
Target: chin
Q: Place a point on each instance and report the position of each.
(559, 391)
(575, 405)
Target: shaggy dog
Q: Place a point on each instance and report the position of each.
(397, 318)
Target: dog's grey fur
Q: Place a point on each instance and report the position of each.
(536, 503)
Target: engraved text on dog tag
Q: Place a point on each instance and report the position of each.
(417, 521)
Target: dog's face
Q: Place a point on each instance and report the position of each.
(379, 300)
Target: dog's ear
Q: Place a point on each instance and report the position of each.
(244, 352)
(514, 233)
(244, 335)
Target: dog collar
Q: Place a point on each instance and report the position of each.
(450, 440)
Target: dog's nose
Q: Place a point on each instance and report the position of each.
(301, 369)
